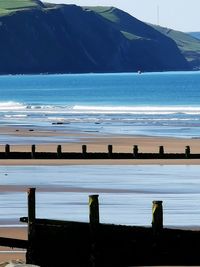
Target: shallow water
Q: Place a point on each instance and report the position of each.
(126, 193)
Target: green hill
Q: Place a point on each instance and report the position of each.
(8, 6)
(188, 45)
(50, 38)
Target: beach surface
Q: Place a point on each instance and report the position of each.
(8, 254)
(95, 143)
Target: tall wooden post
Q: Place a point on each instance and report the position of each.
(33, 148)
(157, 216)
(94, 209)
(7, 150)
(59, 151)
(31, 226)
(84, 150)
(110, 151)
(161, 151)
(135, 151)
(94, 223)
(187, 152)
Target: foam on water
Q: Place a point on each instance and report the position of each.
(11, 105)
(98, 109)
(146, 110)
(16, 106)
(114, 103)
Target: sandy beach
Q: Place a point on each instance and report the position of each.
(95, 143)
(99, 143)
(7, 254)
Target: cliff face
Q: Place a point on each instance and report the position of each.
(71, 39)
(188, 44)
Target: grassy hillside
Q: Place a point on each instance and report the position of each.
(71, 39)
(8, 6)
(113, 15)
(189, 45)
(106, 12)
(138, 33)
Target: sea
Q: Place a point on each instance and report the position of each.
(147, 104)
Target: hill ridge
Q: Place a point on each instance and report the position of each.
(71, 39)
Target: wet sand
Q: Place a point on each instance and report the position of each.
(95, 143)
(7, 254)
(98, 143)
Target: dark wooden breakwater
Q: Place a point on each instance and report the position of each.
(84, 154)
(53, 243)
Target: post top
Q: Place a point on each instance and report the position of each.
(157, 201)
(31, 189)
(93, 195)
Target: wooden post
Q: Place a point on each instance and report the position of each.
(157, 216)
(94, 209)
(135, 151)
(94, 223)
(31, 226)
(59, 151)
(187, 152)
(84, 150)
(161, 150)
(33, 151)
(110, 151)
(7, 150)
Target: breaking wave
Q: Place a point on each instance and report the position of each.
(84, 109)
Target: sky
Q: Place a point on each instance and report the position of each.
(183, 15)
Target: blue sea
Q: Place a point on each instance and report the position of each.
(150, 104)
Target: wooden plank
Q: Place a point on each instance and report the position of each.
(94, 224)
(51, 222)
(13, 243)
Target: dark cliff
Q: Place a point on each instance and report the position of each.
(71, 39)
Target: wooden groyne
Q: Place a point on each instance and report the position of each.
(53, 243)
(84, 154)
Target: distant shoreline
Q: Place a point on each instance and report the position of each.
(101, 72)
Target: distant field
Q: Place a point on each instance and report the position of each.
(16, 4)
(8, 6)
(106, 12)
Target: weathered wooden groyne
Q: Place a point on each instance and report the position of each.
(84, 154)
(53, 243)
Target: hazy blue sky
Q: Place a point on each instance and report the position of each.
(176, 14)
